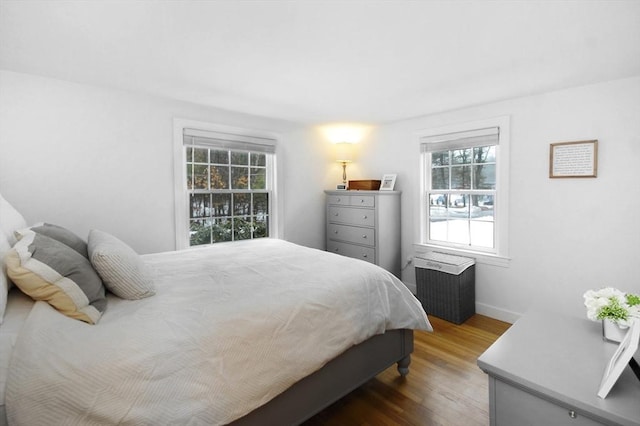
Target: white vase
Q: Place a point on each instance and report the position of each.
(612, 332)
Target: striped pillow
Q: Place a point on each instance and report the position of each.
(46, 269)
(119, 266)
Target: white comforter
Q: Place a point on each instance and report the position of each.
(231, 327)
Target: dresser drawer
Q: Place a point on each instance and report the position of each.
(362, 200)
(514, 406)
(352, 234)
(352, 200)
(352, 216)
(339, 199)
(350, 250)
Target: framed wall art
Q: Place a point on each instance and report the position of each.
(573, 159)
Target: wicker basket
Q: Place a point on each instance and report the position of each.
(449, 296)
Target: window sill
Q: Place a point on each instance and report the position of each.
(483, 258)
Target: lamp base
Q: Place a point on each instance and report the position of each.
(344, 173)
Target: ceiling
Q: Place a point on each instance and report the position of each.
(325, 61)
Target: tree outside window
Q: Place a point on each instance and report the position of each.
(228, 195)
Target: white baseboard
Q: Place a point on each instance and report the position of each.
(497, 313)
(482, 308)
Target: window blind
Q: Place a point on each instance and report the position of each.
(210, 139)
(460, 140)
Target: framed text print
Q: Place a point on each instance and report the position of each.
(573, 159)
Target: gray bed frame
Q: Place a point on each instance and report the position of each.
(337, 378)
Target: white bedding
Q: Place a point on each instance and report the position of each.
(230, 327)
(18, 307)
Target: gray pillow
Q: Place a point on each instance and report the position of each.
(49, 270)
(119, 266)
(61, 234)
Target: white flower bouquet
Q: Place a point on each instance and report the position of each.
(612, 304)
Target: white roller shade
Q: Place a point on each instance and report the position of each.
(460, 140)
(210, 139)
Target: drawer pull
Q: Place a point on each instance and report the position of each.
(335, 232)
(361, 201)
(364, 217)
(336, 214)
(364, 236)
(365, 256)
(572, 414)
(336, 249)
(339, 199)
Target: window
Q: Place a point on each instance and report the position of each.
(464, 199)
(227, 186)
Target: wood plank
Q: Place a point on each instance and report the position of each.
(445, 386)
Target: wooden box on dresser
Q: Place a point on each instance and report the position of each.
(365, 225)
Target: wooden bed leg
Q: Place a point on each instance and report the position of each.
(403, 365)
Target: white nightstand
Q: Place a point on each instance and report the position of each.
(546, 370)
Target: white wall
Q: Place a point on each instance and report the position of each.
(306, 175)
(87, 157)
(565, 235)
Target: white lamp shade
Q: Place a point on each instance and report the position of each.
(344, 152)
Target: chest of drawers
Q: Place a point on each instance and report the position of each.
(365, 225)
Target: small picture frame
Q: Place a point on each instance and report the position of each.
(388, 182)
(620, 359)
(573, 159)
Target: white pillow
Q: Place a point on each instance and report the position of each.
(120, 267)
(4, 279)
(10, 221)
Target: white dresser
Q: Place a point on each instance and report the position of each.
(546, 371)
(365, 225)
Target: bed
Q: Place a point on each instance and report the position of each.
(251, 332)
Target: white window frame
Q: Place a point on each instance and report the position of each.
(498, 256)
(180, 172)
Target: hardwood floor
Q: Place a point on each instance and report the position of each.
(445, 387)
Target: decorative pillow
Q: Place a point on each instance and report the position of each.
(119, 266)
(58, 233)
(49, 270)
